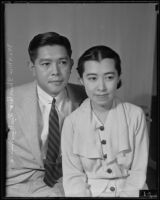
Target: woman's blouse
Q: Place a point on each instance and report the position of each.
(107, 159)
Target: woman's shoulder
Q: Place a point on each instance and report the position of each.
(133, 109)
(81, 111)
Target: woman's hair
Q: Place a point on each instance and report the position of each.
(48, 38)
(99, 53)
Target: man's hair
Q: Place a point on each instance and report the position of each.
(48, 38)
(98, 53)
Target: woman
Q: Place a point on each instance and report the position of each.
(104, 141)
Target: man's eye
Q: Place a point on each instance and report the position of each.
(63, 62)
(110, 77)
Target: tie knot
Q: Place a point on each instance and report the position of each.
(53, 101)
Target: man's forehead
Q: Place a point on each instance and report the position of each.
(55, 51)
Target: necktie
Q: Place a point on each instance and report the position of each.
(53, 168)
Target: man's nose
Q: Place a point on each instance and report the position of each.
(54, 69)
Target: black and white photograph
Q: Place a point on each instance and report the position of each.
(81, 99)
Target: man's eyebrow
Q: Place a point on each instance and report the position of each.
(45, 59)
(65, 57)
(49, 59)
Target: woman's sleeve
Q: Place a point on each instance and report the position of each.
(74, 178)
(137, 178)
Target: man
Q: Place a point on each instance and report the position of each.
(28, 118)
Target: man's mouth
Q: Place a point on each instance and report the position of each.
(56, 82)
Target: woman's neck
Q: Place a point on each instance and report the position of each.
(101, 111)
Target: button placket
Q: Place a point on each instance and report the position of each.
(103, 141)
(104, 152)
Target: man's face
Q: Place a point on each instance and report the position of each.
(52, 68)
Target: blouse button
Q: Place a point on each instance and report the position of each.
(112, 189)
(103, 142)
(101, 128)
(109, 170)
(105, 156)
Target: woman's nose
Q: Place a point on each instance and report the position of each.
(101, 85)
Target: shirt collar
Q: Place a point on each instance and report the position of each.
(47, 99)
(86, 107)
(116, 127)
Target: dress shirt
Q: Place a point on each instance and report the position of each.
(62, 106)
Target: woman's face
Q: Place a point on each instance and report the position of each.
(100, 80)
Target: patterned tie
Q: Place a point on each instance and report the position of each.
(53, 167)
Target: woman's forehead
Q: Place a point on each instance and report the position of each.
(105, 65)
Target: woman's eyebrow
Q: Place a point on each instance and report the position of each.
(108, 73)
(91, 74)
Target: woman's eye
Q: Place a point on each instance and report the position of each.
(45, 64)
(92, 78)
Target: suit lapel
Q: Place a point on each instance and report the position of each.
(30, 122)
(72, 96)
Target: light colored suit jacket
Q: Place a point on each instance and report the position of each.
(24, 160)
(85, 171)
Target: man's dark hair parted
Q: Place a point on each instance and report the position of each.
(48, 38)
(98, 53)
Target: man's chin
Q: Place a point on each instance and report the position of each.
(56, 90)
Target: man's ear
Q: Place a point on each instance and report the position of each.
(81, 81)
(31, 67)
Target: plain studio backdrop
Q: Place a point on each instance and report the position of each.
(128, 28)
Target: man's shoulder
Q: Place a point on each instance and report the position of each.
(19, 94)
(21, 89)
(76, 87)
(77, 91)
